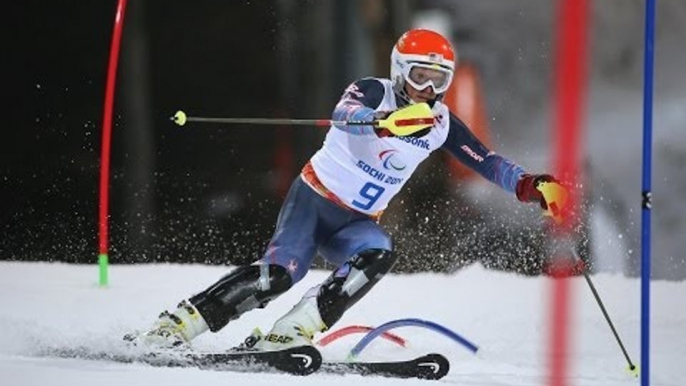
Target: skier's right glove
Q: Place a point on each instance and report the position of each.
(380, 131)
(406, 121)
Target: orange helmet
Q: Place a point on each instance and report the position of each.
(422, 58)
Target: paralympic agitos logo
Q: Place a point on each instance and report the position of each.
(390, 161)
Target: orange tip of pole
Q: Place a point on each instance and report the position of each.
(633, 370)
(180, 118)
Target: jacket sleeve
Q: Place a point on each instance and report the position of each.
(464, 146)
(358, 103)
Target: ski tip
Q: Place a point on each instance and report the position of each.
(432, 366)
(303, 360)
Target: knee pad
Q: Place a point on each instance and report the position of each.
(241, 290)
(351, 282)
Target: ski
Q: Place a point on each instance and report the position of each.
(430, 366)
(302, 360)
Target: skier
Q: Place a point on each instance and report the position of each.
(333, 206)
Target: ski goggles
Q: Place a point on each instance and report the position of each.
(421, 76)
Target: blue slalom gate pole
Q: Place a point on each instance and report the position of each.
(646, 192)
(411, 322)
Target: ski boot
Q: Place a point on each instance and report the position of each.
(172, 330)
(296, 328)
(250, 343)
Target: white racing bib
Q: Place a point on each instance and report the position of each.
(366, 171)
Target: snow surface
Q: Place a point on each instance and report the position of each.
(58, 305)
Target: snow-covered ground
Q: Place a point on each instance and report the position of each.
(57, 305)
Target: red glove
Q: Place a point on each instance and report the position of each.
(384, 132)
(526, 188)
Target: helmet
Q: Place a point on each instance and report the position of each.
(422, 58)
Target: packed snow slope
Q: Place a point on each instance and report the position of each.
(56, 305)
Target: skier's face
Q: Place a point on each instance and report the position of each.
(419, 96)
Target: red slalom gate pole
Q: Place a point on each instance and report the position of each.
(103, 221)
(569, 103)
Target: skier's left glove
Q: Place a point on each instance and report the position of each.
(527, 188)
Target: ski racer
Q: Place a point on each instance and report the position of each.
(333, 206)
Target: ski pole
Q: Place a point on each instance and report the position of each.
(402, 122)
(180, 118)
(556, 197)
(632, 367)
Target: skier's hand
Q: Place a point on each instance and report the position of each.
(406, 121)
(380, 131)
(545, 190)
(527, 188)
(383, 132)
(555, 195)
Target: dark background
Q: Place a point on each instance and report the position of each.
(208, 193)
